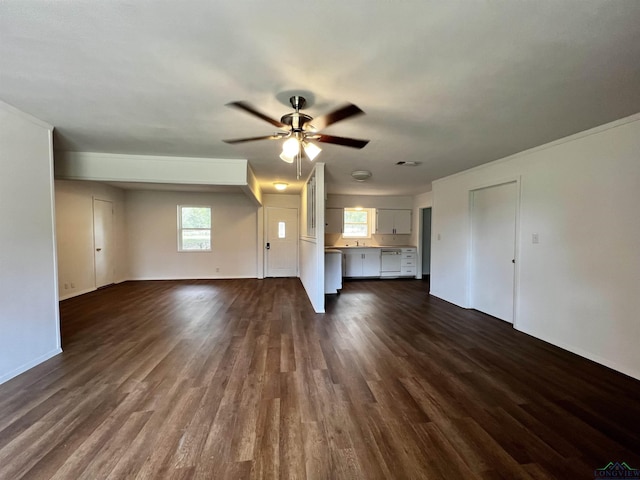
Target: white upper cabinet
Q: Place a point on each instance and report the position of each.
(402, 221)
(395, 222)
(333, 220)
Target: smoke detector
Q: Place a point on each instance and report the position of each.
(361, 175)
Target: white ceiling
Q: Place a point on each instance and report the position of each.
(451, 84)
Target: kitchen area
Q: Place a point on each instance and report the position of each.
(368, 243)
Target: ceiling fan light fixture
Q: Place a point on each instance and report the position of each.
(361, 175)
(311, 150)
(280, 186)
(298, 130)
(291, 147)
(285, 158)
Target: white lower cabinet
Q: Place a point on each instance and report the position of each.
(366, 262)
(332, 271)
(362, 262)
(408, 262)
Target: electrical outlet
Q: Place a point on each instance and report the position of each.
(535, 238)
(438, 236)
(217, 269)
(73, 285)
(66, 286)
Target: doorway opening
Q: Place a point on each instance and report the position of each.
(426, 243)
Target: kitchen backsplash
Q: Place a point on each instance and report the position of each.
(336, 240)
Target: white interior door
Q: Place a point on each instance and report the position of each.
(493, 236)
(103, 242)
(282, 242)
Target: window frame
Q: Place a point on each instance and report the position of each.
(180, 229)
(368, 211)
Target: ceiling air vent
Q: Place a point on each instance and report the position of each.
(408, 164)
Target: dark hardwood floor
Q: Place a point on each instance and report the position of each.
(240, 379)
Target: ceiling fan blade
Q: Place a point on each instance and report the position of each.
(344, 141)
(253, 111)
(252, 139)
(346, 111)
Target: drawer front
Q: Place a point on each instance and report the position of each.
(409, 255)
(408, 271)
(408, 262)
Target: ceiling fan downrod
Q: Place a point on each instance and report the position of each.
(298, 102)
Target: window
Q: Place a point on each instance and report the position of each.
(311, 207)
(357, 223)
(194, 228)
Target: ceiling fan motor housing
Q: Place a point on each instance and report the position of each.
(296, 120)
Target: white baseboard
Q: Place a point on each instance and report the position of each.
(75, 294)
(631, 372)
(583, 353)
(121, 280)
(232, 277)
(30, 364)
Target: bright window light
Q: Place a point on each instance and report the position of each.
(357, 222)
(194, 228)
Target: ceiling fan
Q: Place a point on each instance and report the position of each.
(299, 128)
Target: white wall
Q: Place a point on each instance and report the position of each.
(115, 167)
(283, 200)
(312, 246)
(74, 232)
(252, 189)
(151, 218)
(29, 317)
(369, 201)
(579, 287)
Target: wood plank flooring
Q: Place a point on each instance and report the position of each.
(240, 379)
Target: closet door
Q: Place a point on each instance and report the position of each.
(103, 242)
(493, 237)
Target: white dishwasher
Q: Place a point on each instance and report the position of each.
(390, 262)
